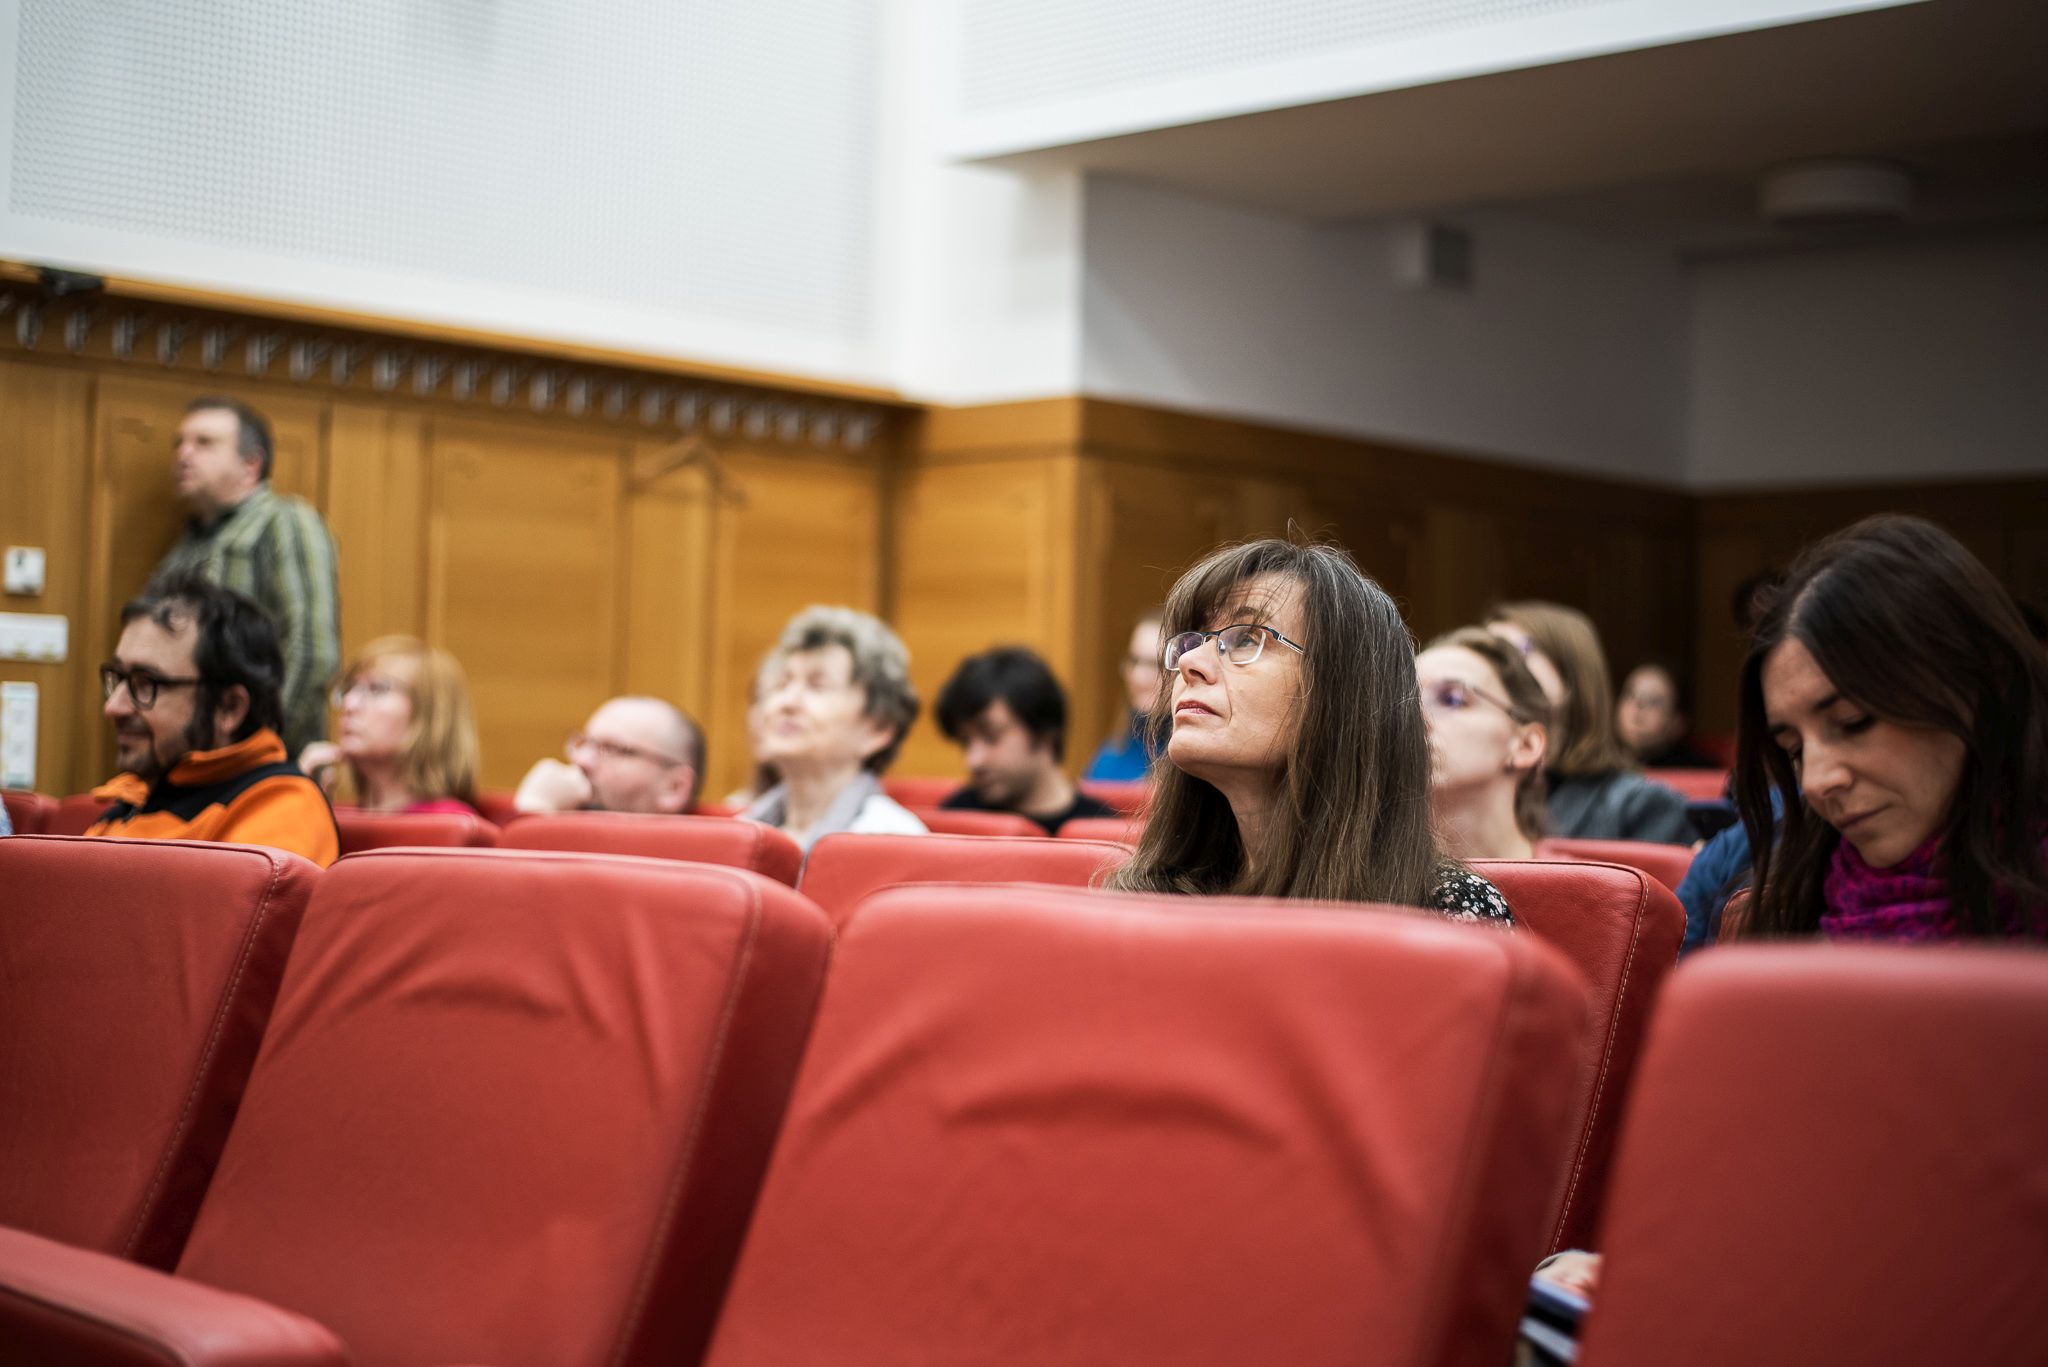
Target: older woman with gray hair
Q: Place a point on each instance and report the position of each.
(835, 702)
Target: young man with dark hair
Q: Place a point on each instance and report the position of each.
(192, 692)
(267, 546)
(1007, 711)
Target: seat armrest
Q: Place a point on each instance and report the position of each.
(60, 1304)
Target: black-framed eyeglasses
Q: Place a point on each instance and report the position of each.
(1240, 643)
(612, 749)
(1455, 695)
(142, 685)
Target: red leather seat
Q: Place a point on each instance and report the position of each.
(497, 805)
(513, 1108)
(74, 815)
(940, 821)
(1698, 785)
(136, 977)
(1128, 798)
(1046, 1127)
(702, 839)
(1621, 929)
(845, 869)
(1835, 1154)
(361, 830)
(1122, 830)
(921, 791)
(1665, 863)
(28, 813)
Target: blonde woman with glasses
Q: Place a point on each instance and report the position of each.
(1297, 756)
(405, 735)
(1488, 727)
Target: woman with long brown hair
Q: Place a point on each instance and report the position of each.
(1296, 761)
(1897, 705)
(1595, 790)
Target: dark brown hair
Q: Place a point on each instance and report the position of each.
(1526, 696)
(252, 430)
(1910, 626)
(1583, 741)
(1352, 819)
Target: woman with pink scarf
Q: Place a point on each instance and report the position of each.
(1896, 702)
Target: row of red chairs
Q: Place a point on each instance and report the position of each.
(536, 1107)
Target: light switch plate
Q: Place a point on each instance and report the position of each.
(17, 735)
(40, 637)
(24, 569)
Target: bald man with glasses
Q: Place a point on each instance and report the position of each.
(633, 755)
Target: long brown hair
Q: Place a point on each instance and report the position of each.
(1583, 741)
(1910, 626)
(1526, 696)
(1352, 822)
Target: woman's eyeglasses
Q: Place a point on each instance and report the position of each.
(373, 689)
(1455, 695)
(1240, 644)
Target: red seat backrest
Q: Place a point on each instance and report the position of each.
(1621, 929)
(940, 821)
(28, 813)
(74, 815)
(844, 869)
(361, 830)
(921, 791)
(514, 1105)
(497, 805)
(139, 975)
(1665, 863)
(1123, 830)
(1042, 1127)
(1128, 798)
(1835, 1154)
(702, 839)
(1698, 785)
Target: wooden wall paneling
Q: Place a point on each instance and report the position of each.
(984, 555)
(672, 621)
(45, 470)
(376, 505)
(135, 513)
(805, 530)
(523, 579)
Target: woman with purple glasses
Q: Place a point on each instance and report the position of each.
(1488, 728)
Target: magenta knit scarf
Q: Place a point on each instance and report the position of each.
(1908, 901)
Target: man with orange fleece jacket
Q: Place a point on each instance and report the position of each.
(193, 693)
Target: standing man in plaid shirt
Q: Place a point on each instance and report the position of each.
(267, 546)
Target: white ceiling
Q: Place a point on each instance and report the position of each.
(1664, 143)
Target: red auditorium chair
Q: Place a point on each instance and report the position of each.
(28, 813)
(701, 839)
(1621, 929)
(513, 1109)
(361, 830)
(74, 814)
(1128, 798)
(1697, 785)
(1123, 830)
(497, 805)
(138, 975)
(918, 791)
(940, 821)
(1835, 1154)
(1665, 863)
(844, 869)
(1040, 1127)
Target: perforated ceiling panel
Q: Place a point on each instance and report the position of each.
(1022, 52)
(710, 157)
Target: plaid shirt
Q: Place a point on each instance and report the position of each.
(276, 550)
